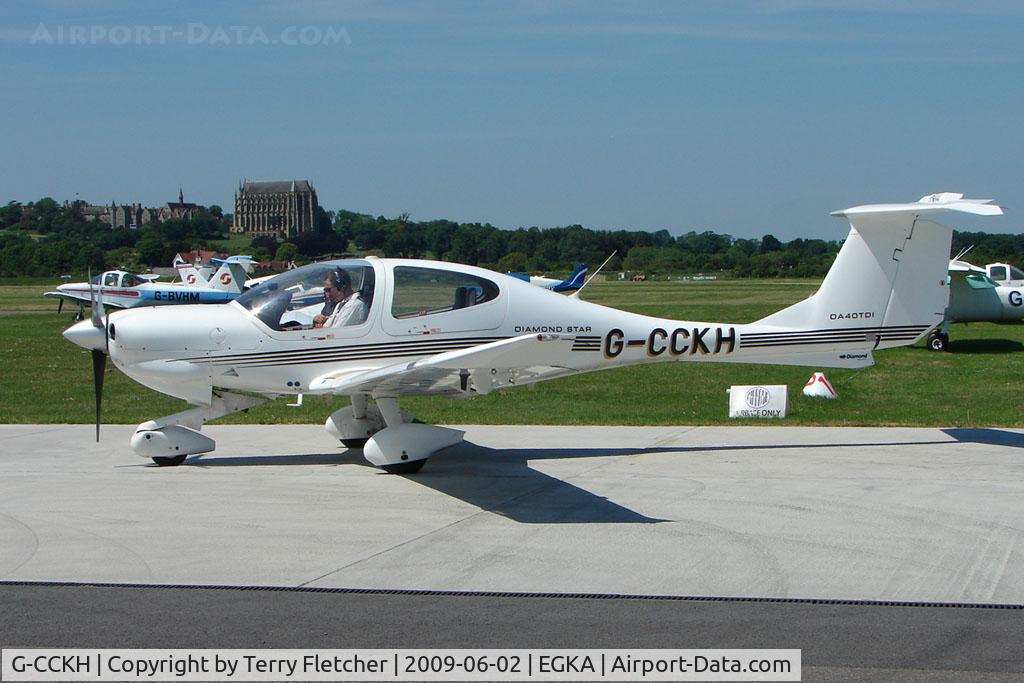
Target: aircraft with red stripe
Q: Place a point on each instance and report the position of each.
(122, 289)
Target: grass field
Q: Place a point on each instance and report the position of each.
(43, 378)
(234, 244)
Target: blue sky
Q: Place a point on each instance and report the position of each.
(741, 117)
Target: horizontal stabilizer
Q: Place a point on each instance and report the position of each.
(964, 267)
(929, 204)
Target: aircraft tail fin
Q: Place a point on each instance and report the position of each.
(189, 274)
(574, 281)
(230, 276)
(889, 279)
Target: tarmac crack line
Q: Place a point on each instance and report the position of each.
(19, 435)
(394, 547)
(553, 484)
(671, 436)
(35, 542)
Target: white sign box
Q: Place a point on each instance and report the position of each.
(767, 401)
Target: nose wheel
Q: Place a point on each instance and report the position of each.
(167, 441)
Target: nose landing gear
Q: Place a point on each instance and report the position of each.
(168, 441)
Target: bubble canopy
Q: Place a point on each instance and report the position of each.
(302, 289)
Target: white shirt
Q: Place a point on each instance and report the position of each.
(351, 310)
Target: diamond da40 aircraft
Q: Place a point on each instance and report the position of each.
(426, 327)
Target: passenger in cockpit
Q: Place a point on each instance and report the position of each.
(348, 306)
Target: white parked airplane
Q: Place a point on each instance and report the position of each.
(426, 327)
(1005, 274)
(121, 289)
(975, 297)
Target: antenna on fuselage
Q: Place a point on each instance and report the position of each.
(576, 294)
(963, 252)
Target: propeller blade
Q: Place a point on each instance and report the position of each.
(99, 364)
(101, 314)
(106, 331)
(97, 319)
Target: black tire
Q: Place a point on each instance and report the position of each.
(354, 443)
(172, 461)
(405, 467)
(938, 341)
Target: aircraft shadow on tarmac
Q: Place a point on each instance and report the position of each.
(988, 437)
(495, 480)
(501, 481)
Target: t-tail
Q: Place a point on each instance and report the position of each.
(231, 275)
(574, 281)
(887, 286)
(189, 274)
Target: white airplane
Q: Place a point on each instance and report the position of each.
(122, 289)
(428, 327)
(1005, 274)
(974, 296)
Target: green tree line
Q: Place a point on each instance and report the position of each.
(44, 238)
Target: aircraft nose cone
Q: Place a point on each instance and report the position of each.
(86, 335)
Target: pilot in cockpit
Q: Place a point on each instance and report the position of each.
(343, 306)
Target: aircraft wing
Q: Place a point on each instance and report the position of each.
(79, 298)
(964, 267)
(256, 281)
(517, 360)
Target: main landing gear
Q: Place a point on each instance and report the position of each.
(390, 439)
(169, 440)
(938, 339)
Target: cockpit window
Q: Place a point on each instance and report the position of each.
(130, 280)
(426, 291)
(110, 279)
(998, 273)
(329, 294)
(1016, 273)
